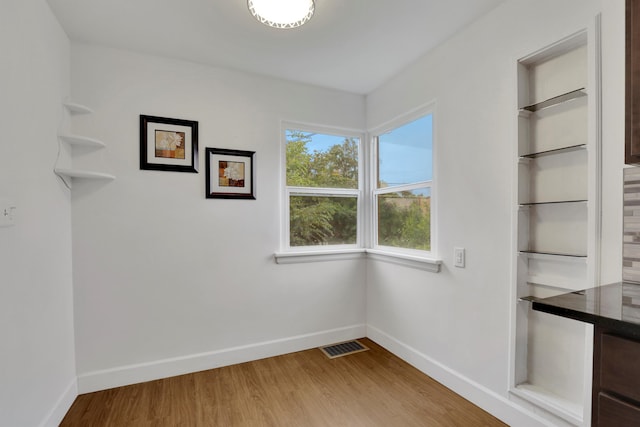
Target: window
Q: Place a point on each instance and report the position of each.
(322, 189)
(403, 186)
(327, 213)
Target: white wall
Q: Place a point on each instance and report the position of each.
(613, 129)
(37, 374)
(166, 281)
(456, 323)
(171, 281)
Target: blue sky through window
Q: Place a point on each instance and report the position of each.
(405, 154)
(321, 142)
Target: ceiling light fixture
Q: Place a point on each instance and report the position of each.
(282, 13)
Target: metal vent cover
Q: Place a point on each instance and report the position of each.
(343, 349)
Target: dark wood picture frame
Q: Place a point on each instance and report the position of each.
(168, 144)
(230, 174)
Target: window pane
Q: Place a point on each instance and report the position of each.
(405, 153)
(318, 160)
(322, 220)
(404, 219)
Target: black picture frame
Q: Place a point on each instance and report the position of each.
(168, 144)
(230, 174)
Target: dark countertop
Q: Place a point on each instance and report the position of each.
(615, 307)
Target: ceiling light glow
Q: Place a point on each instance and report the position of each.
(282, 13)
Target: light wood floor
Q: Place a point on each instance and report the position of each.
(369, 389)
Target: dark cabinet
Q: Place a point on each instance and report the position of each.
(616, 413)
(632, 95)
(616, 381)
(614, 311)
(619, 367)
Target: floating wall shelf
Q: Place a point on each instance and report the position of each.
(82, 141)
(86, 174)
(68, 174)
(74, 108)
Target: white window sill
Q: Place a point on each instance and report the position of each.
(315, 256)
(427, 264)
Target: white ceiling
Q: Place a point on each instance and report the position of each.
(351, 45)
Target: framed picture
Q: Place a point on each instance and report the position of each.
(230, 174)
(168, 144)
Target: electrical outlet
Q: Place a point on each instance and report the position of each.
(7, 213)
(458, 257)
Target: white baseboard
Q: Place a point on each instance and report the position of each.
(132, 374)
(497, 405)
(59, 410)
(492, 402)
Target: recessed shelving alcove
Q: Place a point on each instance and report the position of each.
(555, 225)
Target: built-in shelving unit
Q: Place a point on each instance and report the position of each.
(70, 173)
(555, 223)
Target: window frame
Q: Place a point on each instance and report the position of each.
(367, 212)
(288, 191)
(374, 191)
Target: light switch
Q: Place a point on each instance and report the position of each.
(458, 257)
(7, 213)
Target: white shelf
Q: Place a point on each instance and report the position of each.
(69, 174)
(84, 174)
(569, 411)
(75, 108)
(82, 141)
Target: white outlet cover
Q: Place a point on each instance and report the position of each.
(458, 257)
(7, 213)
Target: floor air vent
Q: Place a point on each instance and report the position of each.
(343, 349)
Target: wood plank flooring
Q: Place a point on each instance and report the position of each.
(369, 389)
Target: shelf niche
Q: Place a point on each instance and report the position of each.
(554, 220)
